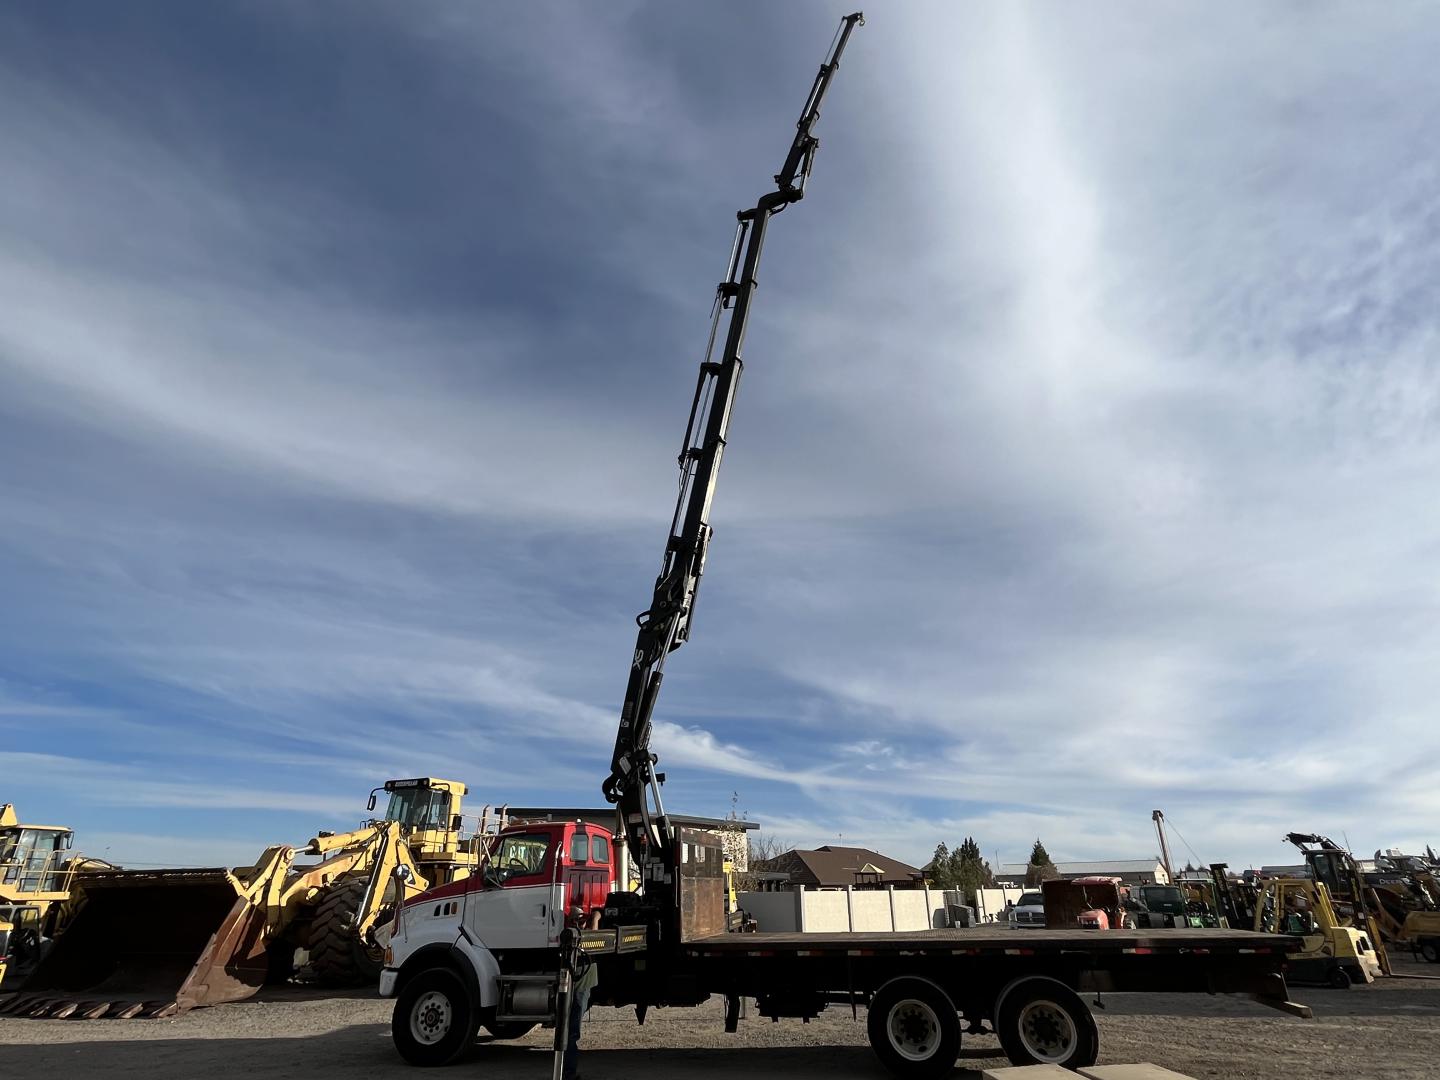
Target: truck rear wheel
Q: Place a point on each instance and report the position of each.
(914, 1028)
(337, 953)
(434, 1022)
(1337, 978)
(1041, 1021)
(1430, 950)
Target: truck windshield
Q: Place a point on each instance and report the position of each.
(521, 855)
(419, 808)
(1031, 899)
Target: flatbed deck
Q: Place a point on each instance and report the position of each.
(989, 939)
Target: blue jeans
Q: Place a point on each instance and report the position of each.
(578, 1004)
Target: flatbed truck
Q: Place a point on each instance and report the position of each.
(494, 950)
(500, 949)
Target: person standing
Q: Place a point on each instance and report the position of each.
(585, 980)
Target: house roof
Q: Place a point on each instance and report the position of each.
(831, 865)
(1115, 866)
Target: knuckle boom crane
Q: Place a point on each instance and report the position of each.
(503, 948)
(633, 784)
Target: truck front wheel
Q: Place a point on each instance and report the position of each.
(914, 1029)
(434, 1020)
(1430, 950)
(1041, 1021)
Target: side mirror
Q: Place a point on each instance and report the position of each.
(371, 804)
(455, 823)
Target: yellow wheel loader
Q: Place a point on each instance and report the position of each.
(156, 942)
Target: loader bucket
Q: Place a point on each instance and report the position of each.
(150, 943)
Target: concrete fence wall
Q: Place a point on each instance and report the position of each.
(824, 910)
(774, 911)
(991, 902)
(833, 910)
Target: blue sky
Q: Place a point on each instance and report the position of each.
(1085, 461)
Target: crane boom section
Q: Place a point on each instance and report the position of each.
(665, 625)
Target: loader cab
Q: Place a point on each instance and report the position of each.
(33, 860)
(428, 810)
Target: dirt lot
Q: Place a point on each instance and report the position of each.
(1389, 1030)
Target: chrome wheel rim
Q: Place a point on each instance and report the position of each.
(1047, 1032)
(430, 1017)
(914, 1030)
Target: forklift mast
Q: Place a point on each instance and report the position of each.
(633, 784)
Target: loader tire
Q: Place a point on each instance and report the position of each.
(337, 954)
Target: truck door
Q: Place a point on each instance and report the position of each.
(587, 870)
(524, 912)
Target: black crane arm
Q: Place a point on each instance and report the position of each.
(665, 625)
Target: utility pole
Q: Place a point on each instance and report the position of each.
(1158, 816)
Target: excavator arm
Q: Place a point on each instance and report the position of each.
(664, 626)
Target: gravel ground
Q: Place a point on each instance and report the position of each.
(1390, 1030)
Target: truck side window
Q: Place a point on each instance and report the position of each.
(600, 849)
(579, 847)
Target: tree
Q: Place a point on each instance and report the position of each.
(962, 870)
(939, 871)
(1040, 867)
(972, 872)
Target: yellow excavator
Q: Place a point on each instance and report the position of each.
(157, 942)
(1406, 903)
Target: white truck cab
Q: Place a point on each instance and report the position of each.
(485, 950)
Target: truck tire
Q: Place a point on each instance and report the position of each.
(1430, 950)
(434, 1022)
(1041, 1021)
(513, 1029)
(1337, 978)
(914, 1029)
(337, 954)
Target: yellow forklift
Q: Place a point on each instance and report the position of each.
(1334, 953)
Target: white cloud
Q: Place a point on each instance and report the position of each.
(1083, 462)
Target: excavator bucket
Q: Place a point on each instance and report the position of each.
(149, 943)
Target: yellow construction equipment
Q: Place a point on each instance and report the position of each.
(19, 940)
(157, 942)
(35, 862)
(36, 871)
(1334, 954)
